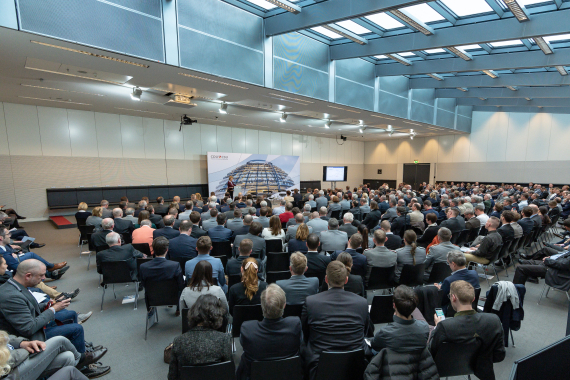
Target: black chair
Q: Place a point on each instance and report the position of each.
(382, 309)
(504, 252)
(455, 236)
(283, 369)
(217, 371)
(412, 275)
(335, 214)
(127, 238)
(100, 248)
(457, 359)
(462, 238)
(242, 313)
(341, 365)
(160, 293)
(273, 277)
(293, 310)
(284, 226)
(85, 233)
(80, 221)
(473, 233)
(277, 261)
(491, 262)
(364, 216)
(233, 279)
(141, 261)
(483, 231)
(382, 278)
(221, 248)
(274, 245)
(143, 248)
(476, 300)
(313, 209)
(182, 261)
(439, 272)
(117, 272)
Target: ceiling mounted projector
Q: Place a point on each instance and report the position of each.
(180, 101)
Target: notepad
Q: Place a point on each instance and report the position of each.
(40, 297)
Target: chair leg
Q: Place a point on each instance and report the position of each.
(567, 296)
(89, 260)
(114, 291)
(512, 339)
(506, 267)
(541, 293)
(547, 291)
(137, 297)
(103, 298)
(146, 326)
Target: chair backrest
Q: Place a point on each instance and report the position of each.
(483, 231)
(473, 233)
(284, 225)
(143, 248)
(141, 261)
(233, 279)
(454, 236)
(505, 249)
(161, 293)
(273, 277)
(496, 253)
(218, 371)
(476, 301)
(182, 261)
(244, 313)
(80, 222)
(457, 359)
(341, 365)
(463, 237)
(116, 272)
(283, 369)
(313, 209)
(85, 229)
(293, 310)
(274, 245)
(382, 309)
(277, 261)
(127, 238)
(412, 275)
(100, 248)
(382, 278)
(439, 272)
(417, 230)
(221, 248)
(335, 214)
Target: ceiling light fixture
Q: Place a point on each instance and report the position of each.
(224, 108)
(402, 15)
(328, 123)
(390, 129)
(136, 94)
(283, 117)
(391, 133)
(483, 98)
(344, 109)
(543, 45)
(78, 76)
(491, 73)
(518, 10)
(346, 33)
(461, 54)
(54, 100)
(130, 109)
(288, 97)
(92, 54)
(284, 4)
(529, 99)
(561, 70)
(512, 88)
(397, 58)
(464, 89)
(61, 89)
(213, 81)
(436, 76)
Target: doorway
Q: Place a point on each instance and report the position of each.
(416, 174)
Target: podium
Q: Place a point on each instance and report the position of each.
(237, 190)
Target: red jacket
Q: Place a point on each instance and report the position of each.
(284, 217)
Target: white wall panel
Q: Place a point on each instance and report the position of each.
(497, 141)
(559, 137)
(238, 140)
(208, 138)
(275, 143)
(23, 129)
(298, 146)
(392, 151)
(430, 150)
(315, 150)
(326, 152)
(154, 138)
(539, 137)
(445, 152)
(109, 138)
(54, 131)
(479, 136)
(224, 139)
(4, 147)
(404, 151)
(251, 141)
(82, 133)
(193, 142)
(286, 144)
(264, 142)
(360, 153)
(417, 148)
(334, 157)
(517, 137)
(461, 149)
(173, 140)
(132, 134)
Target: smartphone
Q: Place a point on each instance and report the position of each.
(439, 313)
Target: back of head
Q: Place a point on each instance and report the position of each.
(108, 224)
(464, 292)
(112, 238)
(385, 225)
(508, 215)
(245, 247)
(302, 232)
(160, 246)
(249, 277)
(355, 241)
(185, 226)
(373, 205)
(457, 257)
(348, 217)
(203, 245)
(313, 242)
(336, 274)
(527, 212)
(299, 218)
(237, 213)
(221, 219)
(494, 222)
(247, 220)
(273, 302)
(168, 220)
(444, 234)
(405, 300)
(298, 263)
(32, 266)
(401, 210)
(323, 211)
(143, 215)
(346, 259)
(410, 238)
(380, 237)
(256, 228)
(432, 217)
(275, 225)
(208, 311)
(130, 211)
(117, 213)
(333, 224)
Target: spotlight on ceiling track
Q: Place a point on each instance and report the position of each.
(412, 134)
(136, 94)
(391, 133)
(491, 73)
(389, 129)
(224, 108)
(284, 4)
(283, 117)
(328, 123)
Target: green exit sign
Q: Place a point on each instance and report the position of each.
(416, 161)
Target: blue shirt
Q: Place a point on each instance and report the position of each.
(217, 268)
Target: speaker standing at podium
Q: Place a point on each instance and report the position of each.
(231, 185)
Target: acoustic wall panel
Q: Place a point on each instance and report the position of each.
(422, 112)
(559, 137)
(354, 94)
(251, 141)
(397, 85)
(539, 137)
(461, 149)
(463, 123)
(447, 104)
(4, 147)
(497, 142)
(7, 192)
(445, 119)
(404, 151)
(392, 104)
(482, 123)
(54, 131)
(286, 144)
(275, 143)
(208, 138)
(445, 152)
(430, 150)
(132, 136)
(357, 70)
(154, 138)
(109, 138)
(416, 149)
(264, 142)
(238, 140)
(297, 144)
(326, 153)
(316, 150)
(83, 134)
(173, 140)
(424, 95)
(223, 137)
(299, 79)
(301, 49)
(23, 129)
(517, 136)
(192, 141)
(392, 151)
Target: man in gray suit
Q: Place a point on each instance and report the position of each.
(317, 224)
(333, 239)
(106, 213)
(379, 256)
(298, 287)
(248, 207)
(321, 200)
(311, 201)
(130, 215)
(230, 212)
(206, 215)
(438, 253)
(235, 223)
(391, 213)
(292, 230)
(364, 208)
(258, 250)
(211, 222)
(347, 226)
(263, 219)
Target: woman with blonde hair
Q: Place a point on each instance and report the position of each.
(410, 254)
(199, 199)
(274, 231)
(248, 291)
(82, 212)
(299, 244)
(95, 219)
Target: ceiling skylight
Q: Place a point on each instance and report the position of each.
(464, 8)
(382, 56)
(265, 4)
(326, 32)
(385, 21)
(423, 13)
(468, 47)
(406, 54)
(559, 37)
(434, 51)
(530, 2)
(505, 43)
(353, 27)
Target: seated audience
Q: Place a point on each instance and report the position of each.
(105, 212)
(82, 212)
(211, 221)
(143, 234)
(333, 239)
(355, 284)
(204, 246)
(479, 211)
(373, 217)
(157, 220)
(95, 219)
(298, 287)
(144, 215)
(248, 291)
(555, 267)
(431, 230)
(258, 242)
(168, 230)
(262, 216)
(526, 222)
(233, 267)
(118, 252)
(129, 215)
(292, 230)
(236, 222)
(409, 254)
(122, 225)
(288, 214)
(379, 256)
(405, 334)
(220, 233)
(469, 326)
(457, 264)
(347, 226)
(98, 238)
(438, 253)
(273, 338)
(274, 231)
(482, 253)
(471, 221)
(359, 260)
(196, 230)
(299, 243)
(317, 224)
(393, 242)
(184, 245)
(454, 221)
(201, 283)
(202, 344)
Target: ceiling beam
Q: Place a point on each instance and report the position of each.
(521, 79)
(514, 102)
(543, 24)
(329, 12)
(506, 61)
(522, 92)
(523, 109)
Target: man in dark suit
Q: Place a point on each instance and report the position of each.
(174, 213)
(379, 256)
(347, 226)
(161, 208)
(431, 230)
(98, 238)
(399, 224)
(253, 235)
(160, 269)
(298, 287)
(334, 307)
(555, 267)
(184, 245)
(196, 230)
(244, 229)
(471, 221)
(122, 226)
(142, 207)
(525, 222)
(316, 262)
(383, 205)
(220, 233)
(469, 326)
(457, 263)
(454, 222)
(535, 217)
(156, 219)
(359, 263)
(168, 231)
(393, 242)
(273, 338)
(116, 252)
(506, 230)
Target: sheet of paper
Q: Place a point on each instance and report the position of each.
(128, 299)
(40, 297)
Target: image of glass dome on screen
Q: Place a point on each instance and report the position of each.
(258, 177)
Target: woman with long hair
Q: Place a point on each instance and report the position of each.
(410, 253)
(248, 291)
(274, 231)
(299, 244)
(201, 282)
(367, 241)
(543, 213)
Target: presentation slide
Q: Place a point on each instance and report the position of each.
(335, 173)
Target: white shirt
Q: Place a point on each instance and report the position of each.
(483, 218)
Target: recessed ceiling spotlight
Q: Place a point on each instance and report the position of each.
(390, 129)
(283, 117)
(224, 108)
(136, 94)
(328, 123)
